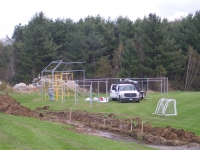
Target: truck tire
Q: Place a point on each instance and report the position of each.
(137, 101)
(120, 100)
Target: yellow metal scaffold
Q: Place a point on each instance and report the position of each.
(59, 80)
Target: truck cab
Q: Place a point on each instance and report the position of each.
(113, 92)
(124, 92)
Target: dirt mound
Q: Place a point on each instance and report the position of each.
(11, 106)
(42, 108)
(134, 127)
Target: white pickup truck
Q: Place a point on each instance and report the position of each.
(124, 92)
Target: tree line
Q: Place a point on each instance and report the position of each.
(145, 48)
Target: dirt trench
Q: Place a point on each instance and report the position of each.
(87, 123)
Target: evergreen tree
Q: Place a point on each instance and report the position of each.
(93, 29)
(18, 33)
(76, 47)
(38, 48)
(61, 31)
(125, 29)
(148, 47)
(130, 61)
(110, 40)
(156, 47)
(196, 32)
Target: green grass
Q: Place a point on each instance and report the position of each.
(187, 108)
(18, 133)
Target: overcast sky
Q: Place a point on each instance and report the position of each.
(13, 12)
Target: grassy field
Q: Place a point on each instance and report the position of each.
(29, 133)
(22, 133)
(188, 108)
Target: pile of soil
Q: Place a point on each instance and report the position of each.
(133, 127)
(125, 127)
(11, 106)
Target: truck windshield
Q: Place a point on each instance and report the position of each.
(127, 88)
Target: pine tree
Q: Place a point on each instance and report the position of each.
(38, 48)
(130, 61)
(156, 47)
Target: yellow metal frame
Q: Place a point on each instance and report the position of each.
(59, 80)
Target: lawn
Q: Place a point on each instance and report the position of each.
(17, 133)
(29, 133)
(187, 108)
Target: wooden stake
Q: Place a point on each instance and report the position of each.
(142, 128)
(70, 114)
(131, 126)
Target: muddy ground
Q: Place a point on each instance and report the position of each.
(109, 126)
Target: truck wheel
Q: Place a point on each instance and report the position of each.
(120, 100)
(138, 101)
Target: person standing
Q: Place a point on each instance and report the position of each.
(51, 94)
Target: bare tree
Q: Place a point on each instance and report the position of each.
(137, 44)
(192, 67)
(117, 59)
(104, 69)
(7, 59)
(9, 43)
